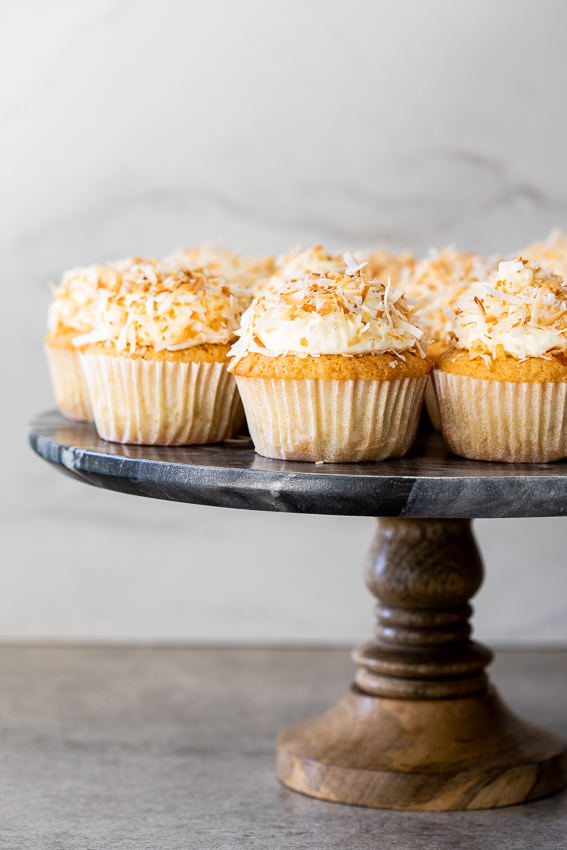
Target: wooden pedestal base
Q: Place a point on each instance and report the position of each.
(433, 755)
(422, 728)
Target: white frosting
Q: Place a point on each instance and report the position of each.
(232, 265)
(328, 314)
(163, 308)
(299, 263)
(382, 264)
(550, 254)
(75, 299)
(444, 276)
(437, 319)
(523, 309)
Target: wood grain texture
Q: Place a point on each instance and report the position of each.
(422, 728)
(423, 572)
(430, 755)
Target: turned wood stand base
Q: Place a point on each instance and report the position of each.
(422, 727)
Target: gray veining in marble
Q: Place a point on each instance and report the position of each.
(173, 749)
(428, 482)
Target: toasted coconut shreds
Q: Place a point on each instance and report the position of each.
(328, 313)
(383, 264)
(162, 307)
(232, 265)
(379, 264)
(75, 299)
(521, 313)
(299, 262)
(550, 254)
(445, 276)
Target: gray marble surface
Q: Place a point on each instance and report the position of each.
(427, 482)
(173, 749)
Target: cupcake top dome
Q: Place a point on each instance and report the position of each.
(74, 301)
(522, 312)
(328, 313)
(166, 308)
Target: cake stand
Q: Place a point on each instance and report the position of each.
(421, 727)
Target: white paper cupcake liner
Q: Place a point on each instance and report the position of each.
(502, 420)
(331, 420)
(431, 405)
(68, 381)
(161, 402)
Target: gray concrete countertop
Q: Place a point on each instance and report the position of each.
(173, 749)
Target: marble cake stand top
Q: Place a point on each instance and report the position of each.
(427, 482)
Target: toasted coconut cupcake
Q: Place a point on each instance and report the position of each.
(155, 362)
(300, 262)
(329, 368)
(502, 390)
(72, 313)
(443, 277)
(383, 264)
(440, 280)
(550, 254)
(235, 267)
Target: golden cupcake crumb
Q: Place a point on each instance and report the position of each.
(375, 367)
(457, 361)
(209, 352)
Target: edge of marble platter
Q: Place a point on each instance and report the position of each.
(427, 482)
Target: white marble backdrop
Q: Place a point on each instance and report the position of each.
(131, 126)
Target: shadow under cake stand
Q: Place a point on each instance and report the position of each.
(421, 727)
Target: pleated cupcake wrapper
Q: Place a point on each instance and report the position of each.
(161, 402)
(330, 420)
(69, 385)
(503, 421)
(431, 405)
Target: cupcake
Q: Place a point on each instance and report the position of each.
(441, 279)
(550, 254)
(155, 362)
(502, 390)
(330, 368)
(71, 314)
(235, 267)
(383, 264)
(300, 262)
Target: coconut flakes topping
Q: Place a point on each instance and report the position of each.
(522, 312)
(168, 308)
(328, 313)
(298, 263)
(444, 277)
(75, 299)
(351, 267)
(383, 264)
(232, 265)
(550, 254)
